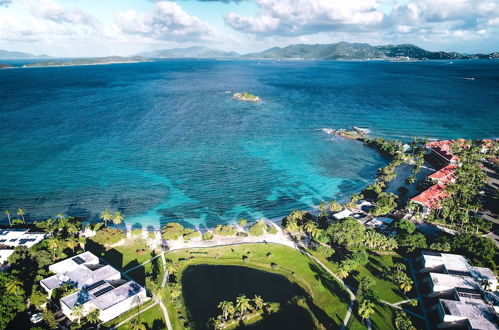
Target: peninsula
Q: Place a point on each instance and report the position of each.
(246, 97)
(5, 66)
(88, 61)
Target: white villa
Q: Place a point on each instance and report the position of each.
(99, 287)
(12, 238)
(464, 291)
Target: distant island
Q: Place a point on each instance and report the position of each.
(88, 61)
(335, 51)
(5, 66)
(9, 55)
(246, 97)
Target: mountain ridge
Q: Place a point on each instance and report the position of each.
(334, 51)
(13, 55)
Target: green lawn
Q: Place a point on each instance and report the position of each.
(327, 294)
(152, 319)
(387, 290)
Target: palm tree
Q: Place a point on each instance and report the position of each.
(243, 305)
(156, 290)
(334, 206)
(7, 212)
(170, 268)
(343, 273)
(72, 242)
(227, 308)
(366, 308)
(60, 215)
(77, 312)
(406, 284)
(316, 233)
(258, 301)
(309, 227)
(176, 291)
(94, 316)
(13, 286)
(117, 218)
(82, 241)
(106, 215)
(21, 213)
(136, 325)
(323, 209)
(52, 244)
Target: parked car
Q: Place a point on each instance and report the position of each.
(36, 318)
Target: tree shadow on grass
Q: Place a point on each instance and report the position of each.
(138, 274)
(335, 288)
(158, 324)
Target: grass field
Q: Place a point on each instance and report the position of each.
(152, 319)
(327, 294)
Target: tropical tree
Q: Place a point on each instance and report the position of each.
(258, 301)
(170, 268)
(366, 308)
(72, 242)
(117, 218)
(82, 241)
(406, 284)
(94, 316)
(242, 222)
(13, 286)
(176, 291)
(227, 308)
(60, 215)
(243, 305)
(309, 227)
(356, 197)
(52, 244)
(334, 206)
(7, 213)
(135, 324)
(343, 273)
(323, 209)
(106, 215)
(77, 312)
(21, 213)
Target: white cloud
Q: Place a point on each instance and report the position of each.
(50, 10)
(167, 21)
(300, 17)
(415, 20)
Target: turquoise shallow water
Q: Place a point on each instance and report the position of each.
(165, 141)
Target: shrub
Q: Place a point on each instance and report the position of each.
(108, 236)
(272, 230)
(190, 233)
(242, 234)
(172, 231)
(325, 251)
(274, 265)
(136, 232)
(440, 246)
(207, 236)
(225, 230)
(242, 222)
(258, 228)
(405, 225)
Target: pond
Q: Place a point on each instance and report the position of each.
(204, 286)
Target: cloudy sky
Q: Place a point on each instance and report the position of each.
(126, 27)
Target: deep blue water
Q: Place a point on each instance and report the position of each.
(165, 141)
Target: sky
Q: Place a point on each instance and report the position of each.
(72, 28)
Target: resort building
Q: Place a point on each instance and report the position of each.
(464, 292)
(444, 175)
(441, 152)
(12, 238)
(99, 287)
(430, 199)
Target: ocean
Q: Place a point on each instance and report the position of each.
(165, 141)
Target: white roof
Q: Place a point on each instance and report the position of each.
(20, 237)
(452, 262)
(444, 282)
(343, 214)
(479, 315)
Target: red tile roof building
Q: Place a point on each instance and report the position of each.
(443, 149)
(445, 174)
(431, 197)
